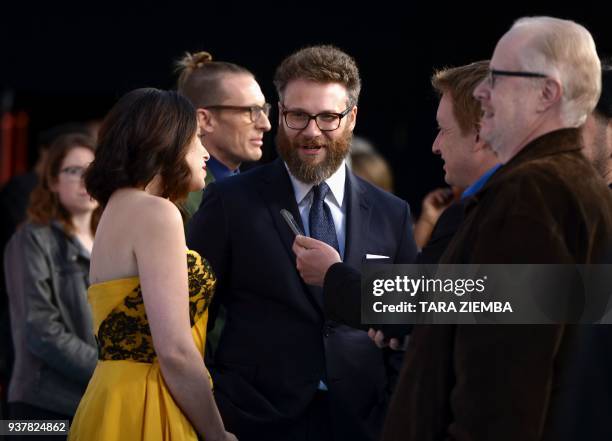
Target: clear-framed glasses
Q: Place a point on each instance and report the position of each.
(255, 112)
(510, 73)
(74, 172)
(326, 121)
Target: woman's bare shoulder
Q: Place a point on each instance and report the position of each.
(145, 203)
(132, 215)
(133, 222)
(145, 209)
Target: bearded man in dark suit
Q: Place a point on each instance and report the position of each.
(283, 370)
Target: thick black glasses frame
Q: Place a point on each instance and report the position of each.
(311, 117)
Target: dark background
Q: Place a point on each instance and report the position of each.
(71, 67)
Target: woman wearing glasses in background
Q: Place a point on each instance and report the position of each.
(47, 267)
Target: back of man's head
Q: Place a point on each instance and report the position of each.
(200, 79)
(564, 50)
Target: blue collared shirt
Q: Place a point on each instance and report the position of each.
(219, 170)
(480, 182)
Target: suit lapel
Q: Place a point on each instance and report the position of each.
(277, 193)
(357, 221)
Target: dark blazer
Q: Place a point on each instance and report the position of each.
(344, 281)
(483, 382)
(443, 233)
(277, 343)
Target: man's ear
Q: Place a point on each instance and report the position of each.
(206, 123)
(353, 115)
(550, 94)
(479, 143)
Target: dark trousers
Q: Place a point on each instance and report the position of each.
(24, 411)
(315, 425)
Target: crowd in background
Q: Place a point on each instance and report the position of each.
(49, 220)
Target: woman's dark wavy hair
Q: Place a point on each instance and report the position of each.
(147, 132)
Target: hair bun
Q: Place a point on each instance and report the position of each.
(190, 63)
(197, 60)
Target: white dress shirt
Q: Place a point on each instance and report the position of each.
(334, 200)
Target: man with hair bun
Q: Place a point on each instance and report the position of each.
(283, 370)
(232, 114)
(232, 119)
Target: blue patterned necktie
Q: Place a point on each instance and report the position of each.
(320, 219)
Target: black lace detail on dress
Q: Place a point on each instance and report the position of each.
(201, 286)
(125, 334)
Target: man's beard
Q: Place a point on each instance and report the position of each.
(305, 171)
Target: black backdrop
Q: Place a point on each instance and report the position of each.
(71, 67)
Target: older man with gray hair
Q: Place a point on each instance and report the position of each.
(546, 205)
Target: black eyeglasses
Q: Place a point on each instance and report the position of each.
(255, 112)
(74, 172)
(509, 73)
(326, 121)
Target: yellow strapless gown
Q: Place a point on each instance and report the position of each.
(127, 398)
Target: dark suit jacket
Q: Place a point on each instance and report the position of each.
(277, 343)
(484, 382)
(443, 233)
(344, 281)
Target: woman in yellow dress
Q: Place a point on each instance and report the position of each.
(149, 296)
